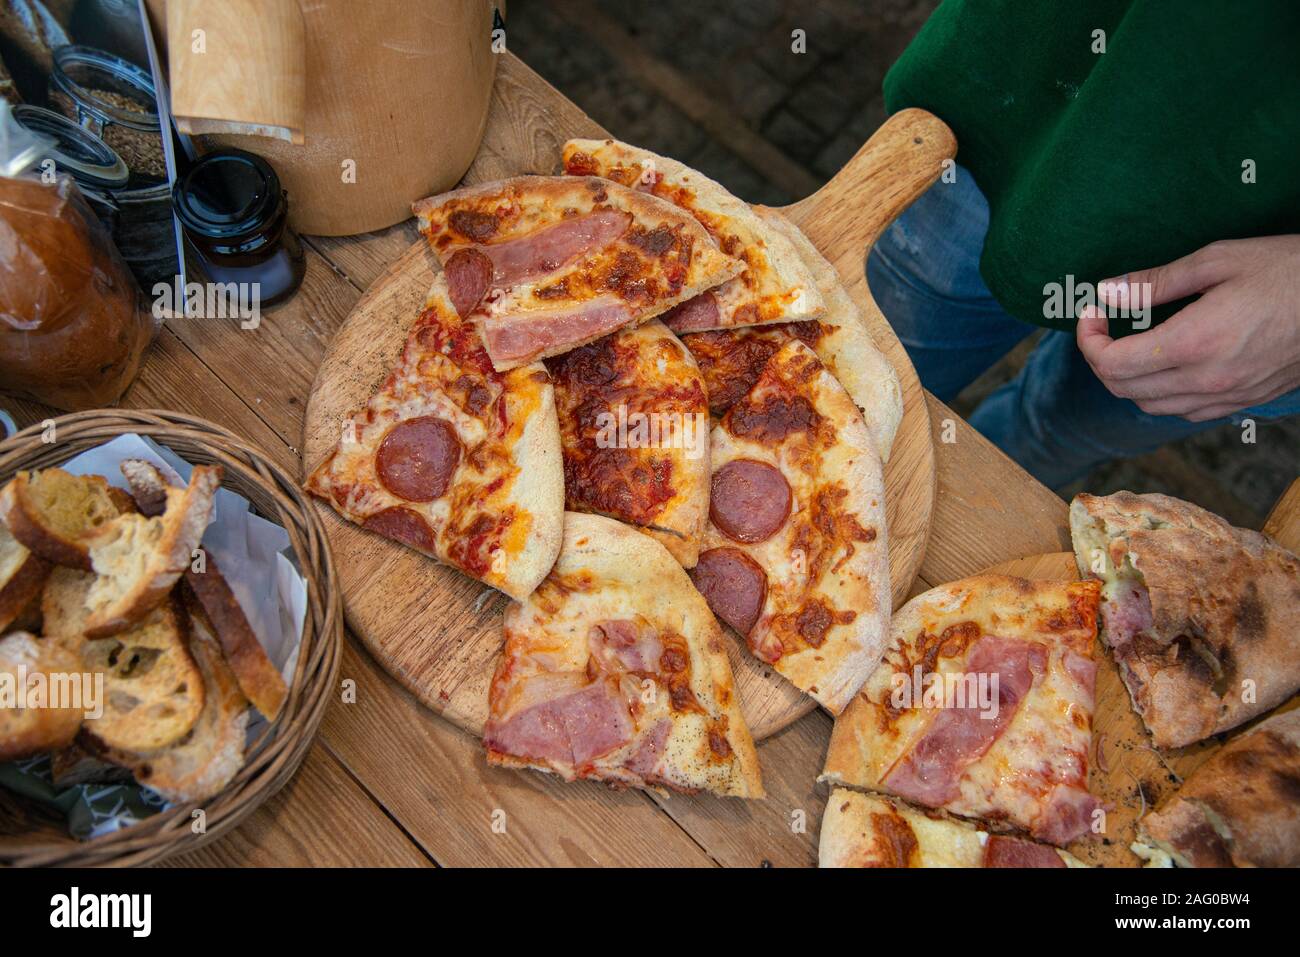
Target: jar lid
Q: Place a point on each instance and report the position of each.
(227, 193)
(89, 160)
(90, 77)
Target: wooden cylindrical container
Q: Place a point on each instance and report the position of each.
(396, 101)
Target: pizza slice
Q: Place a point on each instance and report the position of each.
(454, 459)
(864, 830)
(634, 423)
(1202, 617)
(794, 557)
(1241, 808)
(775, 286)
(615, 670)
(982, 707)
(547, 263)
(732, 359)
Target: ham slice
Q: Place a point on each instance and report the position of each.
(553, 247)
(1126, 612)
(930, 772)
(516, 338)
(1003, 851)
(1066, 816)
(697, 314)
(645, 759)
(573, 729)
(621, 646)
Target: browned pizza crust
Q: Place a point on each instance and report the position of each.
(1223, 644)
(1242, 807)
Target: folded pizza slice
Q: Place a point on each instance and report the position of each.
(982, 707)
(615, 670)
(775, 286)
(794, 557)
(1202, 617)
(864, 830)
(547, 263)
(454, 459)
(634, 422)
(1238, 809)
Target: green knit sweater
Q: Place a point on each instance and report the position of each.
(1099, 163)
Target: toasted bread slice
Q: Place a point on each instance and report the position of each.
(37, 726)
(51, 512)
(22, 576)
(63, 605)
(257, 676)
(153, 689)
(138, 559)
(205, 760)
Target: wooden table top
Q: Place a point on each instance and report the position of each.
(388, 782)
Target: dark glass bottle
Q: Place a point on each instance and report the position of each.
(235, 217)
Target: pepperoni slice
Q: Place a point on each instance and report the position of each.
(749, 500)
(734, 586)
(402, 525)
(693, 315)
(468, 274)
(417, 458)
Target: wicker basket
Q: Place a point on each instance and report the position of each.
(278, 750)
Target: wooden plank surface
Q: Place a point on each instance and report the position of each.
(428, 780)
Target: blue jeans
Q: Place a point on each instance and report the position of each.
(1055, 418)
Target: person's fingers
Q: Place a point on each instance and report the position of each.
(1178, 404)
(1160, 284)
(1092, 334)
(1178, 341)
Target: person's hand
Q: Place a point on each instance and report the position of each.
(1235, 347)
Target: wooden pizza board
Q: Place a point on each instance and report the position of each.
(437, 631)
(1135, 775)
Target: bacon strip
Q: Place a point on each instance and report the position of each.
(931, 771)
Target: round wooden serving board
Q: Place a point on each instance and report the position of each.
(438, 631)
(1126, 773)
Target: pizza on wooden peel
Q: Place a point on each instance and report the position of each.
(544, 264)
(614, 669)
(454, 459)
(634, 423)
(794, 557)
(775, 286)
(982, 707)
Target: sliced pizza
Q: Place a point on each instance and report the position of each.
(547, 263)
(982, 707)
(453, 459)
(615, 670)
(732, 359)
(863, 830)
(775, 286)
(1203, 618)
(634, 423)
(794, 557)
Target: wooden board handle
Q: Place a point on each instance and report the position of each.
(892, 169)
(1283, 524)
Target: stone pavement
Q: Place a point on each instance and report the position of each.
(716, 84)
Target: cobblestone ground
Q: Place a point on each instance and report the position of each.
(715, 83)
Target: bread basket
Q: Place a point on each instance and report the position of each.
(31, 837)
